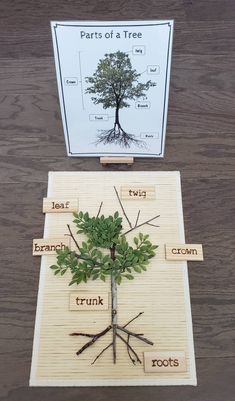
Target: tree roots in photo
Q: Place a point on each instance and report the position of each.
(117, 136)
(120, 332)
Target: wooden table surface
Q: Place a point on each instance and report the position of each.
(200, 143)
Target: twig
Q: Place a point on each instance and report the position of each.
(137, 218)
(71, 234)
(130, 321)
(140, 225)
(150, 224)
(99, 210)
(135, 335)
(103, 350)
(128, 350)
(82, 334)
(130, 347)
(120, 202)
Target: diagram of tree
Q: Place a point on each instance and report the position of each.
(107, 254)
(114, 84)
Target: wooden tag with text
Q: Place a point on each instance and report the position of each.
(140, 192)
(85, 301)
(49, 246)
(164, 361)
(57, 205)
(184, 251)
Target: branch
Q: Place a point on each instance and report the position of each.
(99, 210)
(80, 256)
(140, 225)
(120, 202)
(130, 321)
(153, 225)
(148, 222)
(82, 334)
(128, 350)
(103, 350)
(137, 218)
(135, 335)
(129, 346)
(71, 234)
(92, 341)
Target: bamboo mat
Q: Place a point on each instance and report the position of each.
(162, 292)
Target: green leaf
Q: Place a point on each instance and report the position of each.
(136, 241)
(56, 272)
(63, 271)
(118, 279)
(73, 282)
(106, 258)
(93, 253)
(155, 246)
(129, 276)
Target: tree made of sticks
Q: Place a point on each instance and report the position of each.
(120, 261)
(113, 84)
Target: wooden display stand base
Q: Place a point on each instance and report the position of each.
(105, 160)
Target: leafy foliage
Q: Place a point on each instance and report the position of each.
(115, 81)
(102, 232)
(123, 260)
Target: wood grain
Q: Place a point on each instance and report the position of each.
(200, 143)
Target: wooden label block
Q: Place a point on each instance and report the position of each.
(49, 246)
(184, 252)
(57, 205)
(104, 160)
(134, 192)
(85, 301)
(164, 361)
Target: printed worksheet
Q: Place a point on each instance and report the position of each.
(113, 82)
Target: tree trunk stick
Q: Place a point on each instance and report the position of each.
(114, 305)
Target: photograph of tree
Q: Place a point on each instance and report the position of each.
(114, 84)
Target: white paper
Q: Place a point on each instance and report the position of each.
(90, 128)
